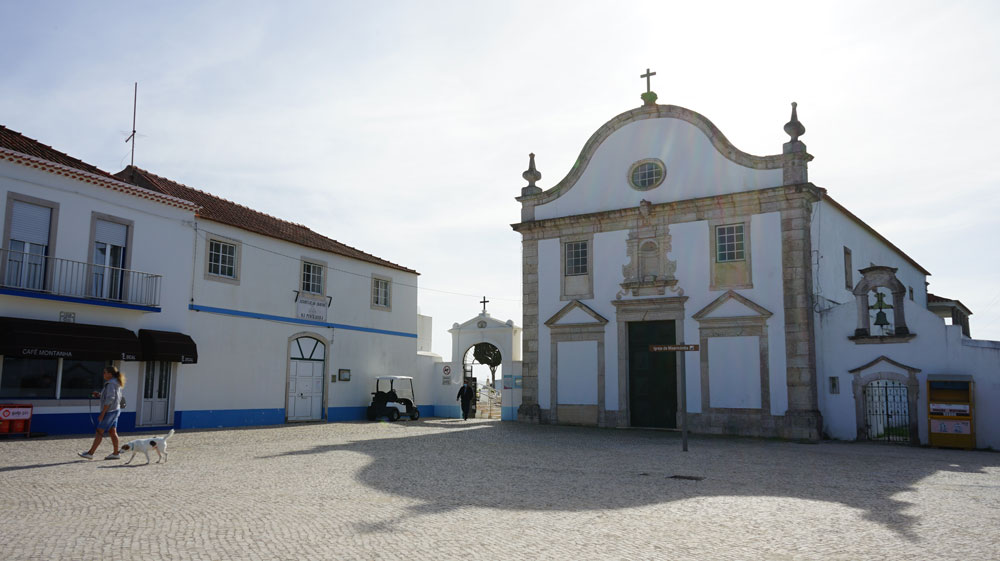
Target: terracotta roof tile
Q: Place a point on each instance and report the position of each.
(221, 210)
(13, 140)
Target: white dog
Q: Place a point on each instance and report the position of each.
(144, 445)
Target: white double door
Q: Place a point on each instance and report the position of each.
(155, 407)
(305, 390)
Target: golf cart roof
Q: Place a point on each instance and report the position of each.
(394, 378)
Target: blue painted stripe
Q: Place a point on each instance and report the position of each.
(85, 423)
(448, 411)
(334, 414)
(74, 299)
(254, 315)
(224, 418)
(508, 414)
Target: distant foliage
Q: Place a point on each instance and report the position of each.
(487, 354)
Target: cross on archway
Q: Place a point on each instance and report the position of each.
(647, 75)
(484, 301)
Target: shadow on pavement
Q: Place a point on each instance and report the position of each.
(35, 466)
(513, 466)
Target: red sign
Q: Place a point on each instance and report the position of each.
(14, 412)
(668, 348)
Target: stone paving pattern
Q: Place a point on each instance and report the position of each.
(480, 489)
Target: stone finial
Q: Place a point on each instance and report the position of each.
(794, 128)
(531, 175)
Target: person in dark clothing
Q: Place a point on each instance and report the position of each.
(466, 394)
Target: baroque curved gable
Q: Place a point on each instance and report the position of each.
(700, 161)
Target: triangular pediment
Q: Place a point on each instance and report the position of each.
(732, 305)
(884, 360)
(576, 313)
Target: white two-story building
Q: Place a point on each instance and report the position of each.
(219, 315)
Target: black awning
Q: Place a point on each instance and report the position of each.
(32, 338)
(167, 346)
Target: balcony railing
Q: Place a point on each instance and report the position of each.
(63, 277)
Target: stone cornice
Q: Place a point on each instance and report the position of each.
(770, 199)
(719, 141)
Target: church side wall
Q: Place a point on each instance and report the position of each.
(832, 232)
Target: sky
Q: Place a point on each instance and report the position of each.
(402, 128)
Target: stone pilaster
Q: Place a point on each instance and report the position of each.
(803, 419)
(528, 412)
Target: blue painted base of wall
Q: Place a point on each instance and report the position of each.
(224, 418)
(448, 411)
(78, 423)
(85, 423)
(508, 414)
(336, 414)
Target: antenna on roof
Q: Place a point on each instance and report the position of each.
(131, 137)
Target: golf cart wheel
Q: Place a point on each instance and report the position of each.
(371, 413)
(415, 415)
(393, 415)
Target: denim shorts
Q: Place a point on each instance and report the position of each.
(110, 420)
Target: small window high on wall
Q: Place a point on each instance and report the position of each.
(848, 273)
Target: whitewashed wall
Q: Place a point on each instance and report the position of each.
(691, 251)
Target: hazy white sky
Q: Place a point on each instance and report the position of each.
(402, 128)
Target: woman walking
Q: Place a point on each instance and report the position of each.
(107, 421)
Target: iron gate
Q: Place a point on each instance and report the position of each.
(887, 411)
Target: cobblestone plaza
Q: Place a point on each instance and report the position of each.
(447, 489)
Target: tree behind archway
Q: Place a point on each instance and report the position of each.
(487, 354)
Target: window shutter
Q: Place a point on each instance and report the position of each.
(111, 233)
(30, 223)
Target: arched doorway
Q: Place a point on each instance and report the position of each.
(306, 377)
(482, 363)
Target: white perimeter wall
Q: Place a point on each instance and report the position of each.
(936, 349)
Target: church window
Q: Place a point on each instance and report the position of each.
(848, 273)
(381, 293)
(646, 174)
(223, 259)
(576, 258)
(312, 277)
(729, 243)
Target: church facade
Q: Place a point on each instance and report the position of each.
(665, 233)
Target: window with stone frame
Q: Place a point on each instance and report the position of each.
(381, 293)
(730, 254)
(222, 259)
(729, 243)
(312, 277)
(577, 258)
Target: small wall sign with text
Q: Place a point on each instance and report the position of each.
(668, 348)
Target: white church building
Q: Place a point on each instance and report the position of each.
(809, 323)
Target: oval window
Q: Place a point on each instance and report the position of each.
(647, 174)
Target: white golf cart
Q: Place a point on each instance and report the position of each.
(393, 398)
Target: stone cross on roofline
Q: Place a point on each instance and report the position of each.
(647, 75)
(484, 301)
(649, 97)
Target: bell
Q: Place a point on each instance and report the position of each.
(881, 320)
